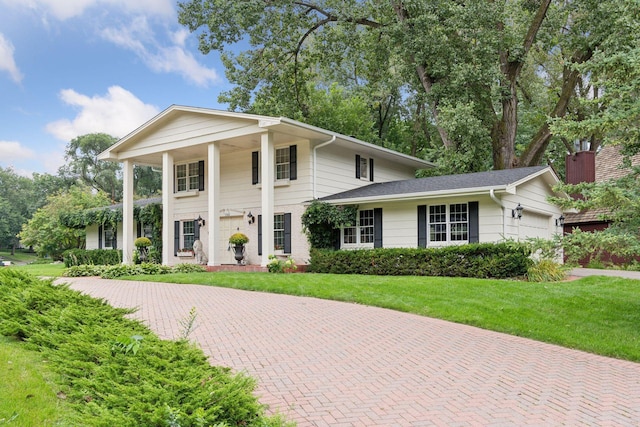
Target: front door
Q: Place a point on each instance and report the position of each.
(228, 226)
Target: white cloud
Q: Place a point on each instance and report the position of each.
(7, 62)
(117, 113)
(65, 9)
(13, 151)
(139, 38)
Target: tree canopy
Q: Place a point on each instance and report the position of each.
(45, 230)
(475, 84)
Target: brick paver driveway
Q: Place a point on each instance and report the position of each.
(325, 363)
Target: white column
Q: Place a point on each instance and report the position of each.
(127, 212)
(213, 216)
(267, 180)
(167, 207)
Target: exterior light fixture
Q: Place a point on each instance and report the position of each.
(251, 218)
(200, 221)
(560, 221)
(517, 212)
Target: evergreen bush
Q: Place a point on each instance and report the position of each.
(114, 371)
(92, 257)
(479, 260)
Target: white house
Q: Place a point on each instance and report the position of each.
(233, 170)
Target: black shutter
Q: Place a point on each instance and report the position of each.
(293, 162)
(357, 166)
(377, 228)
(100, 231)
(336, 239)
(422, 226)
(139, 230)
(201, 175)
(259, 234)
(287, 233)
(196, 231)
(176, 237)
(371, 170)
(114, 245)
(255, 157)
(474, 223)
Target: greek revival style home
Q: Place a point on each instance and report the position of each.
(224, 172)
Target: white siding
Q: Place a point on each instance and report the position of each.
(336, 170)
(92, 236)
(187, 126)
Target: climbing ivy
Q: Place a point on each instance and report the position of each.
(149, 214)
(321, 221)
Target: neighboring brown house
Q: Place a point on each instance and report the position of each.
(588, 166)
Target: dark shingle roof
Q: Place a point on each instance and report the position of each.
(140, 203)
(496, 178)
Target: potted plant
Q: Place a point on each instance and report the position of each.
(142, 244)
(238, 240)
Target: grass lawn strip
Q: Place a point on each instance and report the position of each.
(595, 314)
(28, 396)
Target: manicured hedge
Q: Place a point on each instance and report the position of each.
(92, 257)
(480, 260)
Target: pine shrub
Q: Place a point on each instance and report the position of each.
(161, 383)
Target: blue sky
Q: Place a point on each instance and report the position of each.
(72, 67)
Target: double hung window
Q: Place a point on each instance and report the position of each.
(449, 223)
(187, 176)
(363, 233)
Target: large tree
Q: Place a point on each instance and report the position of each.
(464, 74)
(45, 231)
(83, 166)
(17, 204)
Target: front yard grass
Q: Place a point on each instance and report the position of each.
(596, 314)
(27, 395)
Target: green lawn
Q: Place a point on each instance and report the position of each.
(41, 270)
(27, 397)
(596, 314)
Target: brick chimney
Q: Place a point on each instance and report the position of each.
(580, 167)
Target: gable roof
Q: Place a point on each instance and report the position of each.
(235, 130)
(479, 182)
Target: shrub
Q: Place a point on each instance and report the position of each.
(142, 242)
(546, 270)
(188, 268)
(115, 271)
(480, 260)
(113, 370)
(92, 257)
(238, 239)
(277, 265)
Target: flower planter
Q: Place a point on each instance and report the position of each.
(185, 254)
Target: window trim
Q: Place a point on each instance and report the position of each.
(292, 169)
(358, 231)
(448, 225)
(189, 191)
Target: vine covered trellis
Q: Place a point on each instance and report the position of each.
(150, 213)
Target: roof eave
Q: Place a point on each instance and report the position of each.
(420, 196)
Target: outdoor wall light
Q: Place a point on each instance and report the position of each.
(517, 212)
(251, 218)
(201, 221)
(560, 221)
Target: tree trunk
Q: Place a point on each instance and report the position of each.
(503, 134)
(535, 149)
